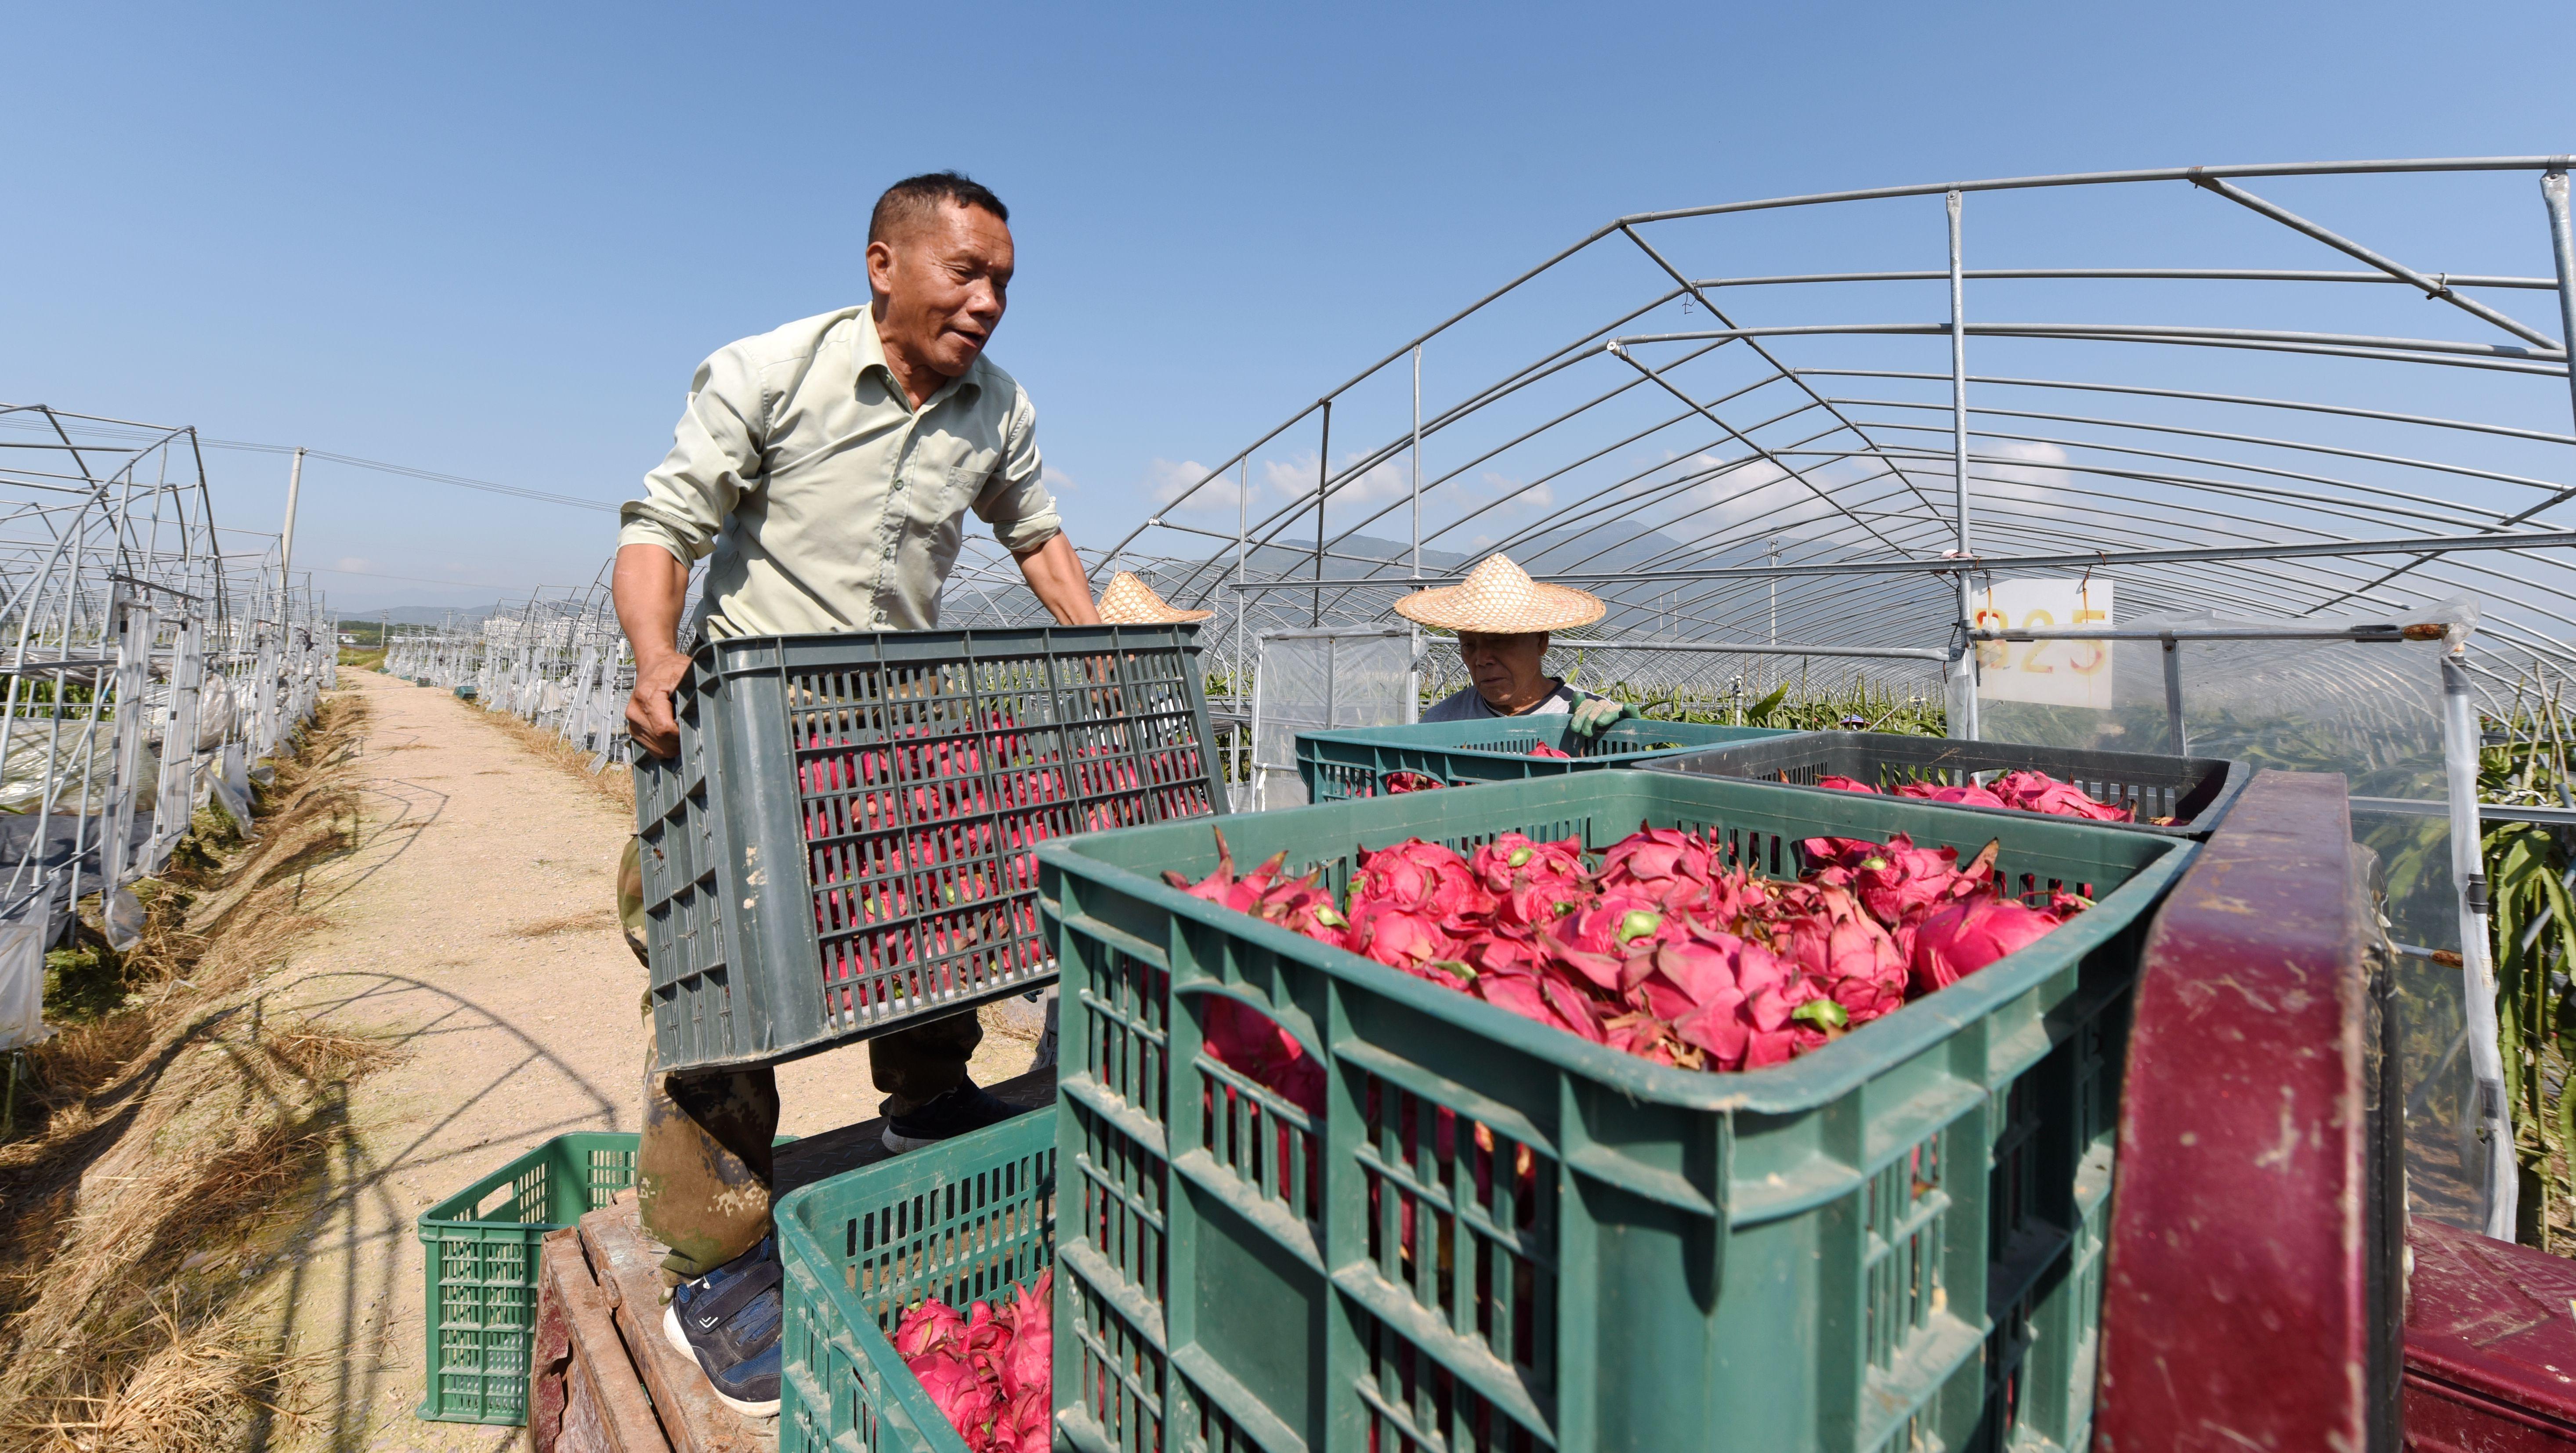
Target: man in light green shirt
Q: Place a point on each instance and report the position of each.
(827, 467)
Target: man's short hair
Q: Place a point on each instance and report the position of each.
(916, 197)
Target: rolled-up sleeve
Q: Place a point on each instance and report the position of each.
(1015, 501)
(715, 449)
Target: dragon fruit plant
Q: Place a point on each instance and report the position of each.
(1661, 948)
(989, 1368)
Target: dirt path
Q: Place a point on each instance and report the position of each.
(474, 926)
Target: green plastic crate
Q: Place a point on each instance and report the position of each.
(2196, 791)
(959, 1221)
(1354, 761)
(480, 1251)
(842, 845)
(1891, 1243)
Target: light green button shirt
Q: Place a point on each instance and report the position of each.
(829, 503)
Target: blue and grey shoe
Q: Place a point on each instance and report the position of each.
(730, 1320)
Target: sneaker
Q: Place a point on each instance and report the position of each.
(955, 1113)
(750, 1387)
(729, 1320)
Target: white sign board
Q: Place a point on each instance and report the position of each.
(2048, 673)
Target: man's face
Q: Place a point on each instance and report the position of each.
(944, 277)
(1505, 668)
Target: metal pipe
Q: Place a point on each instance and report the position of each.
(2432, 287)
(1734, 648)
(2436, 544)
(2486, 1060)
(2422, 632)
(1966, 686)
(2120, 274)
(2562, 250)
(1417, 461)
(1323, 471)
(2174, 733)
(2141, 332)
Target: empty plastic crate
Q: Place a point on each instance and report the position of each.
(480, 1252)
(1356, 761)
(958, 1221)
(1500, 1236)
(843, 844)
(2194, 791)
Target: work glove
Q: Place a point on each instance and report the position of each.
(1593, 713)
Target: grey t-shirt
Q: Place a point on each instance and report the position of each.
(1470, 705)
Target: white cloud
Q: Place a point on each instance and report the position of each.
(1165, 480)
(357, 563)
(2043, 479)
(1056, 479)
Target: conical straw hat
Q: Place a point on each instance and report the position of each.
(1499, 598)
(1131, 602)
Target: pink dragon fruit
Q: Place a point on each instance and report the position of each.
(989, 1372)
(1970, 934)
(1845, 784)
(1664, 864)
(1512, 856)
(1420, 877)
(1967, 795)
(2039, 792)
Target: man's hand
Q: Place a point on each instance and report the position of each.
(648, 586)
(648, 709)
(1593, 713)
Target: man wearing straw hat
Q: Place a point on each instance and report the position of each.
(826, 467)
(1502, 619)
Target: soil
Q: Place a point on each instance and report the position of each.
(474, 927)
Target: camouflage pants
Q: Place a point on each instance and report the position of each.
(703, 1165)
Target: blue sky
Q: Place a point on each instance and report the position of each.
(493, 240)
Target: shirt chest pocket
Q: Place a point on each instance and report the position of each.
(937, 494)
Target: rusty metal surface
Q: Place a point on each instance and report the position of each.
(2246, 1302)
(584, 1395)
(2490, 1345)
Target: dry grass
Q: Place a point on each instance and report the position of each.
(196, 1391)
(596, 918)
(321, 1055)
(181, 1141)
(616, 785)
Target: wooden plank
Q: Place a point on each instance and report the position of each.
(2252, 1295)
(584, 1395)
(628, 1264)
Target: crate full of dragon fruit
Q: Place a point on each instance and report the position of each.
(844, 843)
(2184, 796)
(918, 1301)
(1622, 1110)
(1347, 762)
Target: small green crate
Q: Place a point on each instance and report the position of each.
(480, 1251)
(1354, 761)
(959, 1221)
(843, 844)
(2195, 791)
(1499, 1236)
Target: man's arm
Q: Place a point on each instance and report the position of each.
(648, 586)
(1055, 572)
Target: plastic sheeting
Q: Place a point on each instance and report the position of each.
(1307, 680)
(22, 985)
(2370, 712)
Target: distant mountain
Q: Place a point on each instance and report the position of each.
(423, 615)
